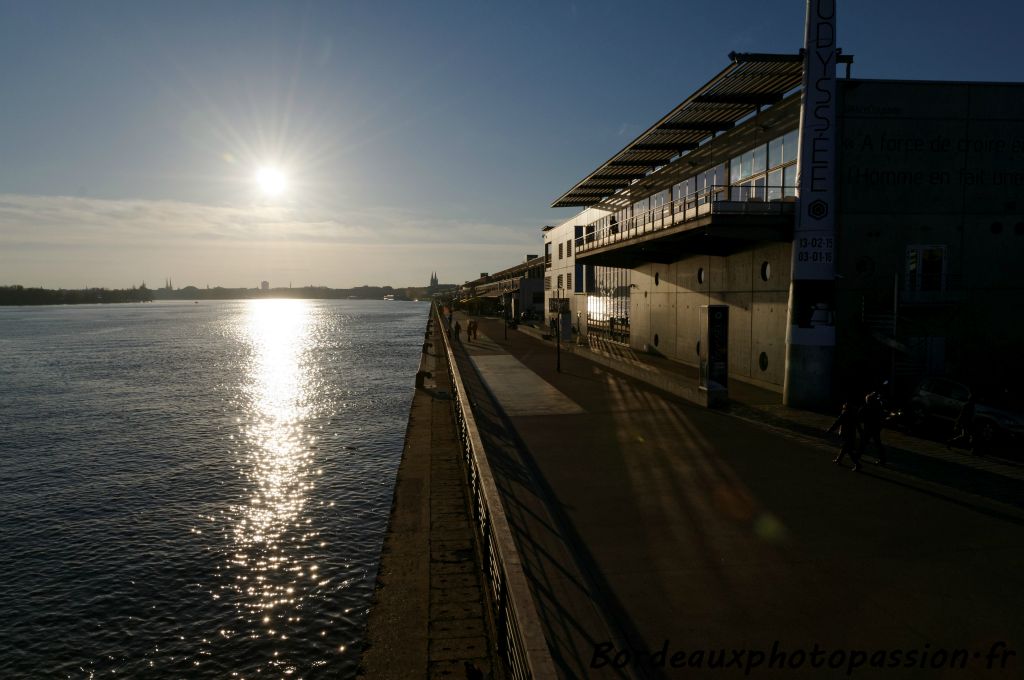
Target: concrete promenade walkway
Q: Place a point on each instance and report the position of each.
(991, 478)
(657, 533)
(430, 618)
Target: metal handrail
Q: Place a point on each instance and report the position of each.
(519, 628)
(713, 199)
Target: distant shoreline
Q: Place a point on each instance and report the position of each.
(20, 296)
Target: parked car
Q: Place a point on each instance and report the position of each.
(998, 417)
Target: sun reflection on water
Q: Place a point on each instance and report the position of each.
(272, 561)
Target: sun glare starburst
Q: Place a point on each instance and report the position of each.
(271, 181)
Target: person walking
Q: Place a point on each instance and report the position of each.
(458, 331)
(871, 416)
(963, 428)
(846, 424)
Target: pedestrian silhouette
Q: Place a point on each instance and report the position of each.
(871, 416)
(458, 331)
(963, 428)
(846, 424)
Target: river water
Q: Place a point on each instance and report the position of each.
(197, 490)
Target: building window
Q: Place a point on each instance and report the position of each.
(789, 180)
(766, 172)
(658, 204)
(547, 283)
(568, 281)
(559, 282)
(547, 255)
(568, 248)
(684, 190)
(710, 185)
(926, 268)
(560, 251)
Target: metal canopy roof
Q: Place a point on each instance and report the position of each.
(748, 83)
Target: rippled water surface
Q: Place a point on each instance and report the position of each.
(197, 490)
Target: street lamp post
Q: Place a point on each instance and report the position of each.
(558, 333)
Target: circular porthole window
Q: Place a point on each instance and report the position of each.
(766, 270)
(762, 361)
(657, 278)
(700, 275)
(655, 339)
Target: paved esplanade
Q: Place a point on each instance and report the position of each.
(643, 519)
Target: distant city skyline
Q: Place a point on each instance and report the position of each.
(343, 145)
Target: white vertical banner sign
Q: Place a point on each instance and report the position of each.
(815, 221)
(811, 333)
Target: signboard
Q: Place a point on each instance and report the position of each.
(814, 232)
(811, 332)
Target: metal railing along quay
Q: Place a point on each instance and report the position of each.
(714, 200)
(521, 635)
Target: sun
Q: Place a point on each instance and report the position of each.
(271, 181)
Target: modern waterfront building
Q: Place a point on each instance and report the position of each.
(868, 232)
(514, 291)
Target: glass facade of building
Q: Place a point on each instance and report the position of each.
(766, 172)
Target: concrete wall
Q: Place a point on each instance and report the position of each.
(664, 314)
(932, 164)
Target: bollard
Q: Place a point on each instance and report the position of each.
(421, 376)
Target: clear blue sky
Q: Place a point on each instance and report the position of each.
(415, 136)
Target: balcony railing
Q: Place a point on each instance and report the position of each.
(718, 199)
